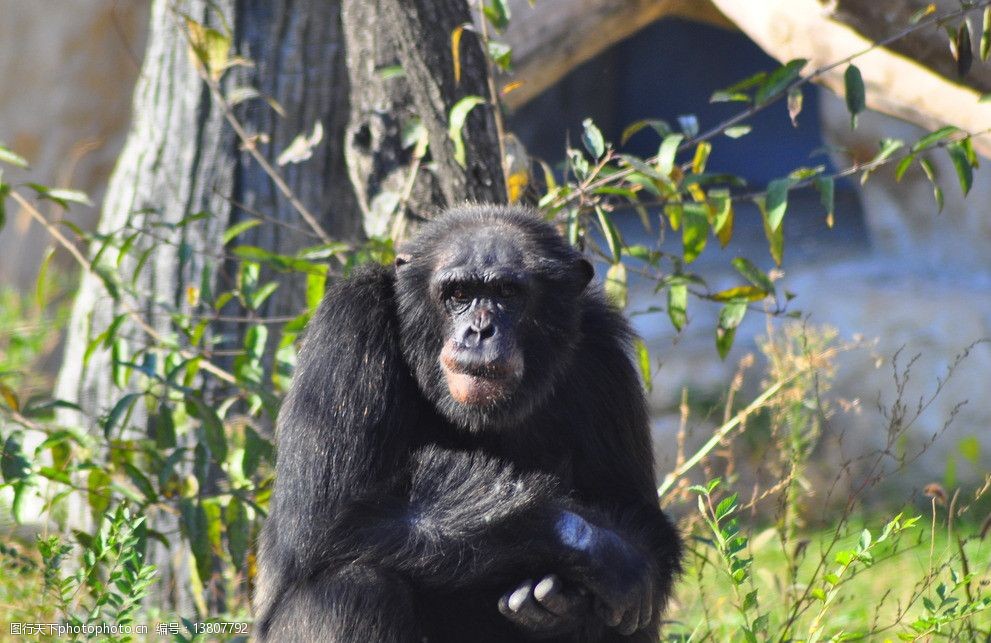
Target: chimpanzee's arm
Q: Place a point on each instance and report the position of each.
(615, 466)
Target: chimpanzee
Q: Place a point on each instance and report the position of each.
(464, 453)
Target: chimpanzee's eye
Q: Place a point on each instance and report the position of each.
(458, 294)
(508, 291)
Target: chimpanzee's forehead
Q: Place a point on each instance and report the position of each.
(485, 247)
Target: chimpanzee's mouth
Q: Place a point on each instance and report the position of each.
(477, 383)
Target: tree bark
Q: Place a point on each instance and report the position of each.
(388, 181)
(181, 158)
(421, 32)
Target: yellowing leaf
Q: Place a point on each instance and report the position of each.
(512, 86)
(209, 47)
(615, 286)
(456, 51)
(516, 184)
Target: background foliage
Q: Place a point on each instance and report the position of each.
(763, 560)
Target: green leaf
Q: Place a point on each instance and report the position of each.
(13, 463)
(825, 186)
(164, 428)
(736, 92)
(592, 139)
(750, 600)
(140, 480)
(725, 507)
(930, 171)
(775, 236)
(11, 157)
(209, 46)
(497, 11)
(695, 230)
(961, 163)
(98, 493)
(722, 215)
(316, 284)
(501, 54)
(963, 49)
(456, 122)
(254, 341)
(258, 297)
(643, 361)
(856, 95)
(729, 319)
(63, 196)
(777, 201)
(865, 539)
(986, 35)
(609, 230)
(678, 304)
(238, 531)
(213, 428)
(616, 286)
(255, 448)
(19, 507)
(794, 104)
(239, 228)
(59, 195)
(724, 340)
(674, 212)
(779, 80)
(194, 526)
(737, 131)
(659, 126)
(122, 406)
(932, 138)
(667, 152)
(753, 274)
(903, 166)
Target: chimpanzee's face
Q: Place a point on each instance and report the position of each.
(489, 314)
(482, 292)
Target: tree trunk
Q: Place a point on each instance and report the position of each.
(421, 32)
(388, 181)
(181, 158)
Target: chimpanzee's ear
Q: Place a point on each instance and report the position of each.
(584, 272)
(402, 259)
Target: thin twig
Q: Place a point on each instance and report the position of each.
(135, 316)
(248, 143)
(493, 96)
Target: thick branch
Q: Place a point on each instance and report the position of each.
(789, 29)
(421, 31)
(552, 37)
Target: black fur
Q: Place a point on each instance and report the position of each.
(401, 515)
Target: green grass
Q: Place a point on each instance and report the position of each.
(876, 603)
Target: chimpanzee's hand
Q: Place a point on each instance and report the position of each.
(614, 571)
(546, 608)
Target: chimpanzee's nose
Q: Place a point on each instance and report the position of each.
(479, 328)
